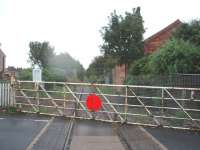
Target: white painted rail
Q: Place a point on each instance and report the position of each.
(6, 95)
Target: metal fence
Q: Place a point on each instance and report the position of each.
(6, 95)
(172, 80)
(169, 107)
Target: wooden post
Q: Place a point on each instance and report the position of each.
(64, 90)
(13, 89)
(37, 95)
(20, 106)
(162, 102)
(126, 104)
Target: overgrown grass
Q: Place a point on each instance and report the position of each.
(106, 90)
(9, 110)
(43, 110)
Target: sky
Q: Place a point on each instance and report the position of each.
(73, 26)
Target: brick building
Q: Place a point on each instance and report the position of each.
(118, 74)
(157, 40)
(151, 44)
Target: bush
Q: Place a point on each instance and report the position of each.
(56, 75)
(176, 56)
(189, 32)
(25, 74)
(47, 75)
(140, 66)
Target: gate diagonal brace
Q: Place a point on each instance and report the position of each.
(77, 100)
(29, 101)
(103, 106)
(109, 115)
(107, 100)
(182, 108)
(147, 110)
(53, 102)
(76, 104)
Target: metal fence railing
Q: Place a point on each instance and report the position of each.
(169, 107)
(172, 80)
(6, 95)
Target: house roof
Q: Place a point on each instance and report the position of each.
(173, 25)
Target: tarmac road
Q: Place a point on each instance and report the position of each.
(16, 132)
(94, 135)
(176, 139)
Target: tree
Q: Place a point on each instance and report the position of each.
(123, 37)
(176, 56)
(100, 67)
(140, 66)
(40, 53)
(53, 74)
(71, 67)
(189, 32)
(95, 71)
(80, 73)
(60, 67)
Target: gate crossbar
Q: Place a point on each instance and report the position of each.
(147, 110)
(181, 107)
(77, 100)
(110, 104)
(29, 101)
(52, 100)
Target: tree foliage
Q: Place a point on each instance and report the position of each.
(25, 74)
(140, 66)
(53, 74)
(176, 56)
(70, 67)
(95, 71)
(61, 67)
(100, 67)
(189, 32)
(123, 37)
(40, 53)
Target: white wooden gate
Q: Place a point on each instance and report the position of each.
(6, 94)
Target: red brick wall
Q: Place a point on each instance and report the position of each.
(157, 42)
(2, 61)
(118, 74)
(158, 39)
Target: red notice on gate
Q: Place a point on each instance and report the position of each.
(93, 103)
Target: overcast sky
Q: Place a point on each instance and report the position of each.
(73, 25)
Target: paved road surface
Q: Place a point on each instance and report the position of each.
(17, 132)
(138, 139)
(90, 135)
(54, 136)
(177, 139)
